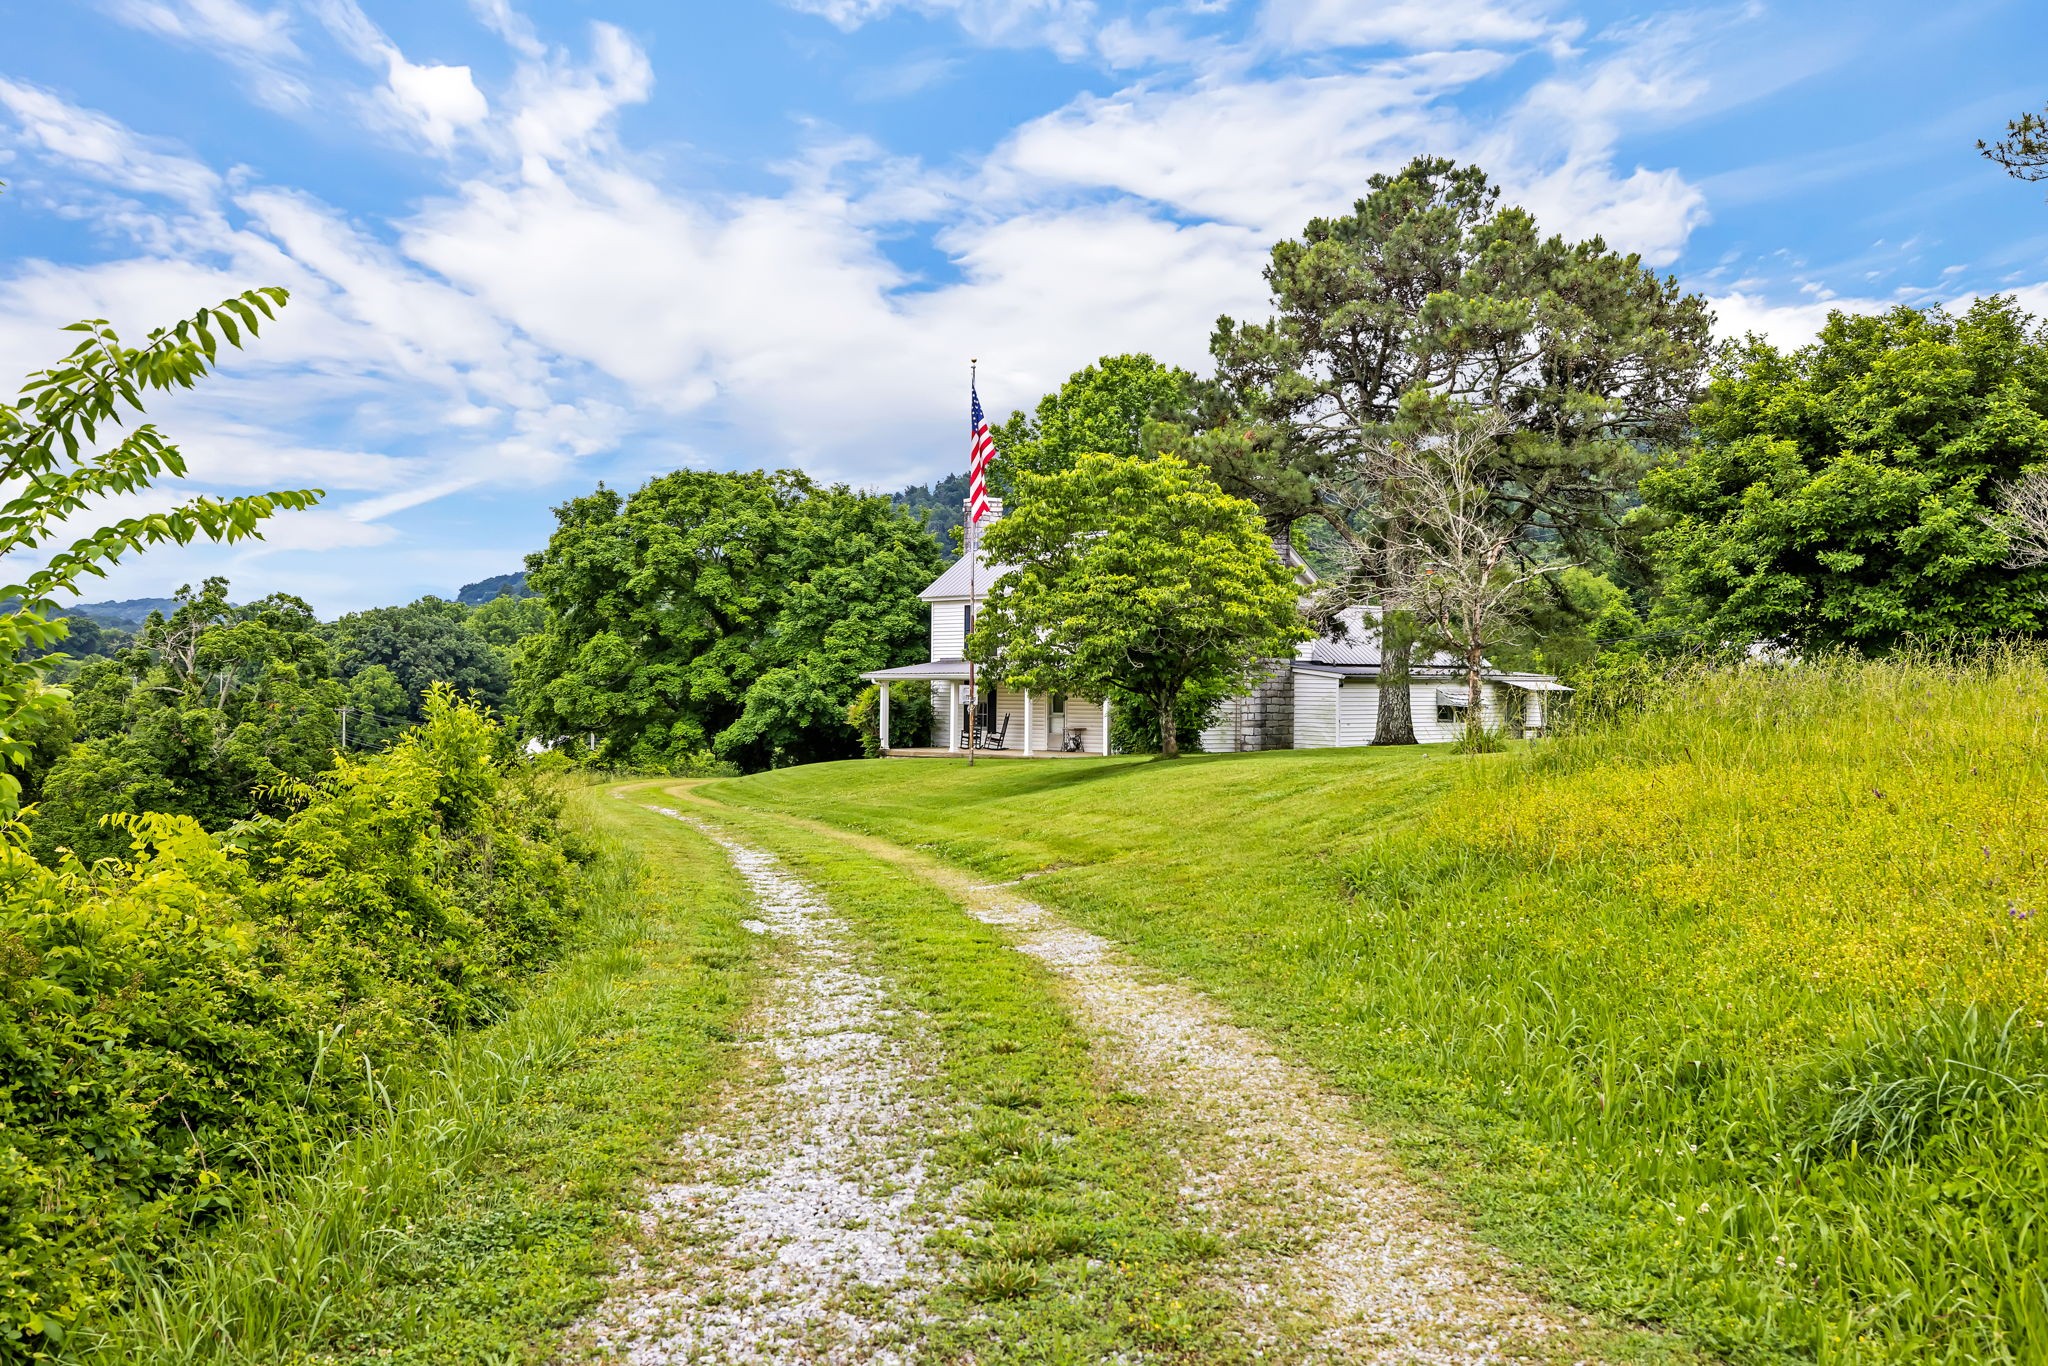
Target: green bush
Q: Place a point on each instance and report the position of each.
(180, 1021)
(910, 718)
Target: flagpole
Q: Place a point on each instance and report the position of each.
(971, 542)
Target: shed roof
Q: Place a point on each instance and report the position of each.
(1432, 673)
(1356, 641)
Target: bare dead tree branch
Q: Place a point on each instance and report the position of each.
(1454, 554)
(2023, 513)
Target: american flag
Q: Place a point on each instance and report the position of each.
(983, 449)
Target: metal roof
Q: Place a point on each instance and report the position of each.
(953, 583)
(1356, 642)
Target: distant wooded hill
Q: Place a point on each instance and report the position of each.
(941, 507)
(127, 614)
(499, 586)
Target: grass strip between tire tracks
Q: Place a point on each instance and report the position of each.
(1074, 1246)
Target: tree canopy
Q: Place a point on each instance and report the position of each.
(721, 614)
(1430, 287)
(1134, 576)
(427, 642)
(214, 713)
(1104, 407)
(64, 448)
(1846, 493)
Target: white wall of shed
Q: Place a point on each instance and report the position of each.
(1315, 711)
(1358, 711)
(1429, 730)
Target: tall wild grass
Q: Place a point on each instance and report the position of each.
(1763, 971)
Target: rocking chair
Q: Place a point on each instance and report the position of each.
(996, 737)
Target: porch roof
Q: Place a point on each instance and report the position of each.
(937, 671)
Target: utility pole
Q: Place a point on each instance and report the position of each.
(344, 725)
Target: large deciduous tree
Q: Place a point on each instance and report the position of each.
(427, 642)
(721, 614)
(1134, 576)
(1104, 407)
(1847, 493)
(1431, 287)
(216, 712)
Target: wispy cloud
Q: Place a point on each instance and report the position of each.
(556, 294)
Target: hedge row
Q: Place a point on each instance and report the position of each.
(174, 1023)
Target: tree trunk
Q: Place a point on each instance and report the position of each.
(1474, 716)
(1395, 724)
(1169, 733)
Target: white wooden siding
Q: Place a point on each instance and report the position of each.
(1429, 730)
(1081, 714)
(1315, 711)
(1358, 709)
(949, 629)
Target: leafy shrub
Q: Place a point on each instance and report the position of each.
(177, 1021)
(910, 717)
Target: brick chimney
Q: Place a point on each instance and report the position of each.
(972, 543)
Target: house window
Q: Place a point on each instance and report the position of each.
(966, 625)
(1446, 714)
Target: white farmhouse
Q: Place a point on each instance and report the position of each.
(1326, 696)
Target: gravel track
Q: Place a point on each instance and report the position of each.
(1376, 1277)
(799, 1239)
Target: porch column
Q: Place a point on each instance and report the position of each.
(885, 718)
(1105, 727)
(953, 711)
(1027, 723)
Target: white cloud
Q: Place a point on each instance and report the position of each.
(443, 100)
(1737, 314)
(564, 109)
(1791, 325)
(1266, 154)
(1065, 26)
(217, 23)
(1316, 24)
(106, 149)
(1270, 154)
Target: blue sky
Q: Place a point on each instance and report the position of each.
(536, 245)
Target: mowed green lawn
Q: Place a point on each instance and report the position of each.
(1732, 1018)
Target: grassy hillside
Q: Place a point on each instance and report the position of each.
(1732, 1017)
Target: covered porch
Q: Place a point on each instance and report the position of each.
(1011, 723)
